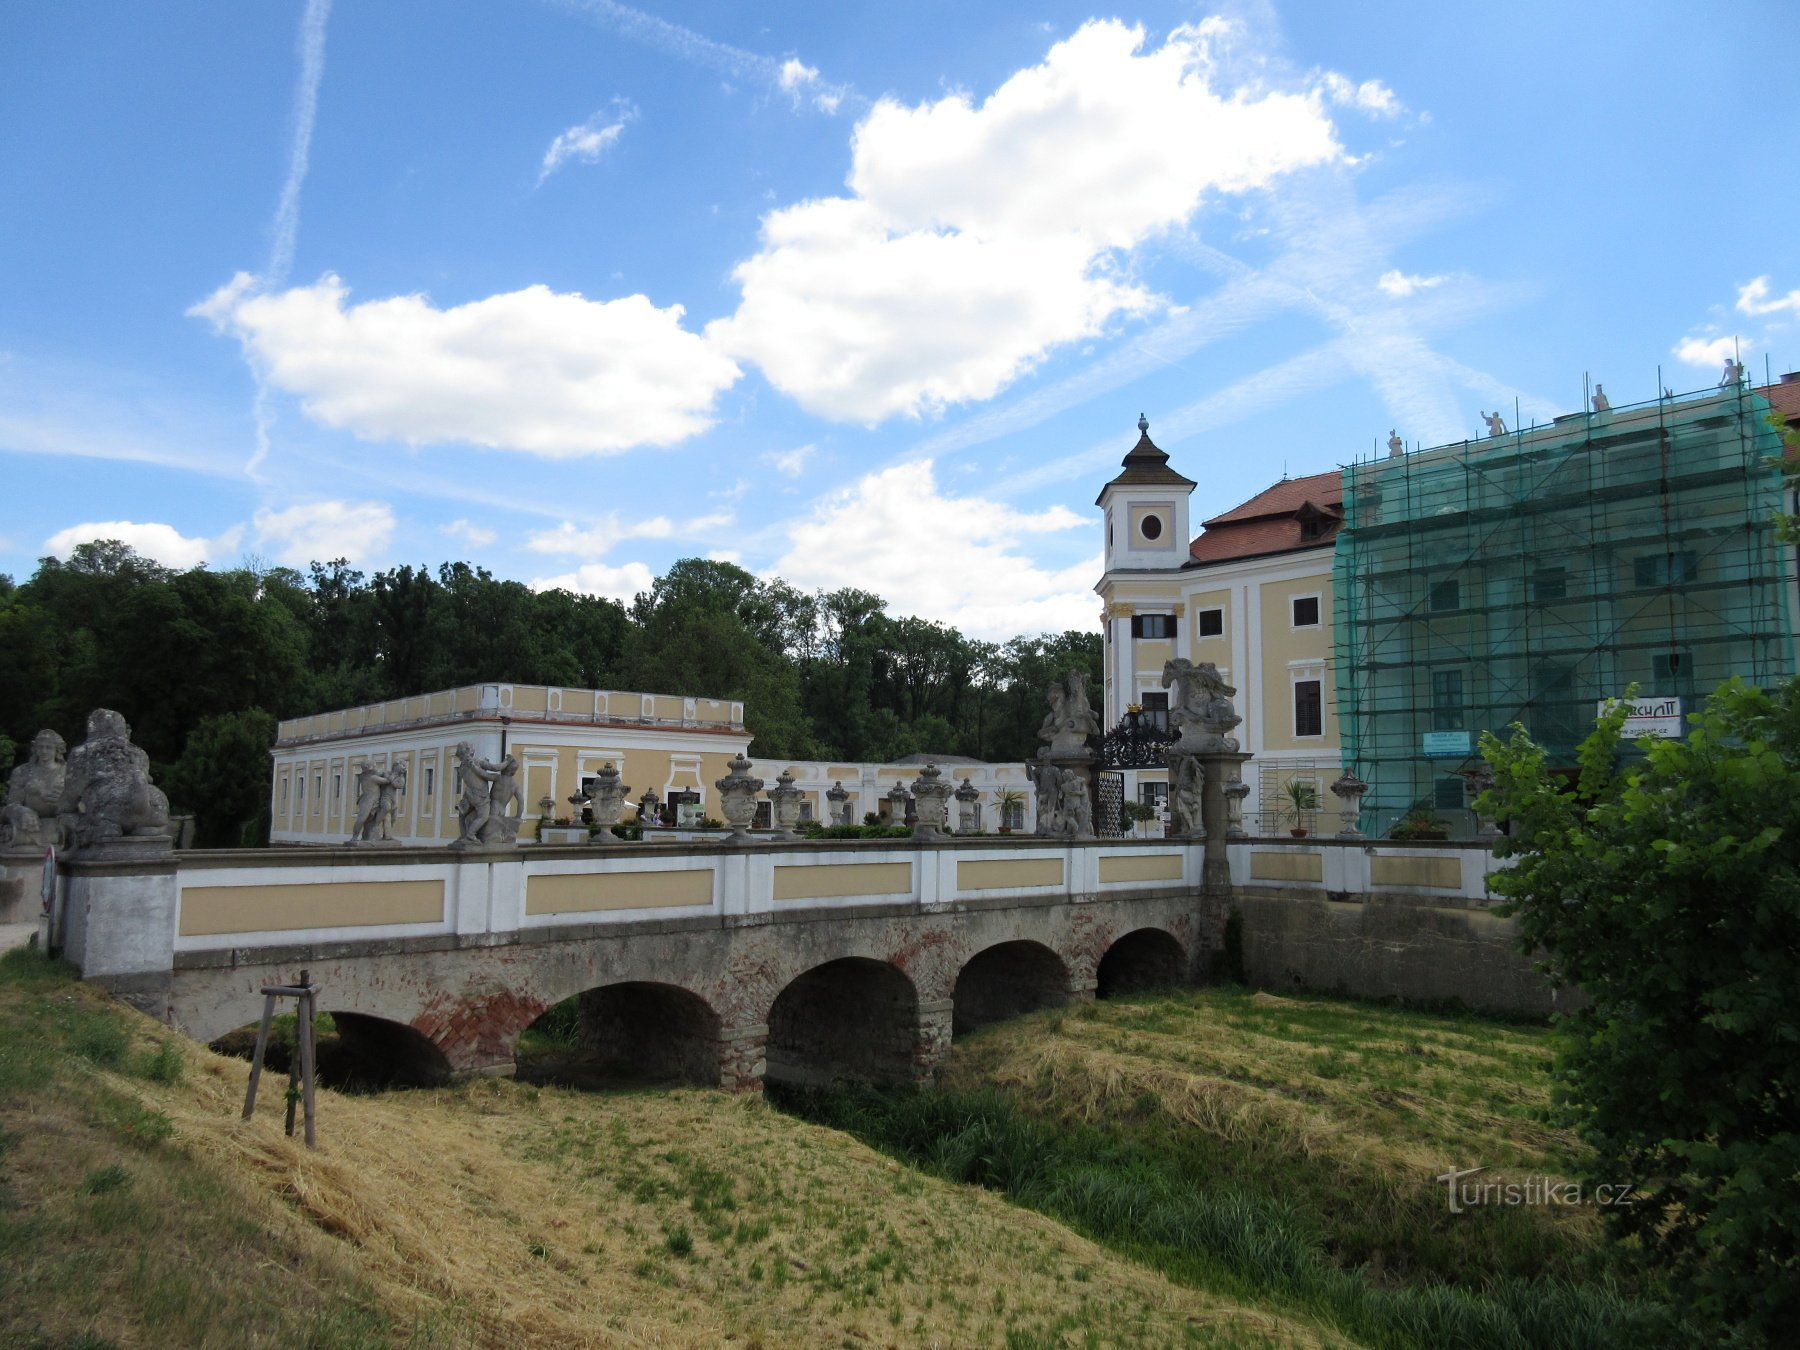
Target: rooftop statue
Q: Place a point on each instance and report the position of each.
(1734, 373)
(1601, 402)
(33, 792)
(1396, 446)
(1496, 424)
(107, 792)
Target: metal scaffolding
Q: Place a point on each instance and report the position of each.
(1528, 576)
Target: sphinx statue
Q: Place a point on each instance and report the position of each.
(33, 794)
(107, 792)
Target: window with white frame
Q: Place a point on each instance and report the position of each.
(1306, 611)
(1209, 623)
(1309, 707)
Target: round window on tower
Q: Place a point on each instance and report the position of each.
(1151, 527)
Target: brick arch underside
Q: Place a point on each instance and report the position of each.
(473, 1002)
(852, 1019)
(1008, 980)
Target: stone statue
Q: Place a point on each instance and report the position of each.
(1496, 424)
(33, 793)
(1396, 446)
(1601, 402)
(1187, 788)
(1046, 779)
(107, 792)
(487, 790)
(1076, 816)
(1201, 707)
(1071, 719)
(1734, 373)
(377, 799)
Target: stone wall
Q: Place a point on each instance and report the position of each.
(1427, 949)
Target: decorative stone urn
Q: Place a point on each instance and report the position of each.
(784, 806)
(650, 805)
(839, 798)
(932, 796)
(1235, 792)
(966, 797)
(898, 804)
(1348, 789)
(606, 799)
(737, 798)
(1477, 781)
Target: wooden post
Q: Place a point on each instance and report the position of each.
(303, 1065)
(307, 1068)
(262, 1045)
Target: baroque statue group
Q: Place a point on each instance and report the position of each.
(99, 795)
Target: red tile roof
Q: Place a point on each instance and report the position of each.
(1784, 398)
(1287, 497)
(1270, 521)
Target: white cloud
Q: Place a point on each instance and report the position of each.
(798, 80)
(1702, 351)
(321, 531)
(615, 583)
(790, 462)
(1371, 96)
(953, 559)
(571, 540)
(587, 141)
(1398, 284)
(468, 532)
(552, 374)
(980, 237)
(1753, 299)
(160, 543)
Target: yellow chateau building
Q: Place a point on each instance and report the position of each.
(1251, 594)
(677, 747)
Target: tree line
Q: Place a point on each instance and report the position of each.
(203, 663)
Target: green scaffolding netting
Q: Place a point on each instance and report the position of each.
(1526, 577)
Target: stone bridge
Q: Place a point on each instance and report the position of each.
(801, 963)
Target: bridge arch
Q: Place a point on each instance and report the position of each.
(632, 1031)
(1007, 980)
(1146, 958)
(852, 1018)
(374, 1052)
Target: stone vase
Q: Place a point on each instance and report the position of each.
(784, 807)
(607, 803)
(932, 797)
(737, 799)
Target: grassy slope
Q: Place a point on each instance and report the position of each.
(138, 1209)
(1348, 1109)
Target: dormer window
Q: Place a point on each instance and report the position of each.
(1315, 523)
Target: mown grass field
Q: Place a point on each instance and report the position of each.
(137, 1209)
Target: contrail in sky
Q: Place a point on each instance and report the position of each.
(285, 228)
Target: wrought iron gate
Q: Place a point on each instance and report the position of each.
(1109, 812)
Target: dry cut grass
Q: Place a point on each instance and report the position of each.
(501, 1214)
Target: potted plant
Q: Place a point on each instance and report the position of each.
(1303, 800)
(1006, 799)
(1420, 823)
(1138, 814)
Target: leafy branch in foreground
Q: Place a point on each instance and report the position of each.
(1667, 890)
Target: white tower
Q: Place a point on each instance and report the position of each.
(1147, 539)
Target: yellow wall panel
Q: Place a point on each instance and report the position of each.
(210, 910)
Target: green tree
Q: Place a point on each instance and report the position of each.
(1666, 888)
(222, 777)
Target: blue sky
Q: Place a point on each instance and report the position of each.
(860, 295)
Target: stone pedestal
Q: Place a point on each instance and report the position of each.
(1222, 799)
